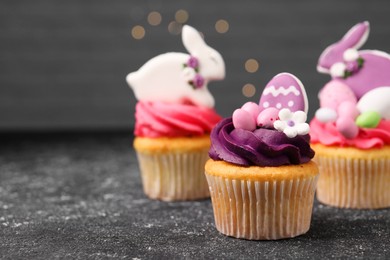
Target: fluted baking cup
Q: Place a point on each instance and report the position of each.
(360, 183)
(262, 210)
(174, 176)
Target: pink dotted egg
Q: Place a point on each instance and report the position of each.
(334, 93)
(267, 117)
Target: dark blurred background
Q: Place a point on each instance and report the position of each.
(63, 63)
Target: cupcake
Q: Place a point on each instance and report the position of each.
(260, 173)
(351, 130)
(173, 119)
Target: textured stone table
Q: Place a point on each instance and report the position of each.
(79, 196)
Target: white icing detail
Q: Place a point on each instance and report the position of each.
(290, 103)
(278, 105)
(376, 52)
(337, 69)
(163, 78)
(281, 90)
(364, 37)
(303, 91)
(376, 100)
(265, 104)
(351, 55)
(321, 69)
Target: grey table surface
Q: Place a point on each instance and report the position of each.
(79, 196)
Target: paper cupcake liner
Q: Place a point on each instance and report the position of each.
(262, 210)
(354, 183)
(174, 176)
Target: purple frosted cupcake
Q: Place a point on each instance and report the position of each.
(260, 174)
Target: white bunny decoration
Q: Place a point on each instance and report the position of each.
(178, 77)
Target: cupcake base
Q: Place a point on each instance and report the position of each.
(262, 203)
(353, 178)
(172, 169)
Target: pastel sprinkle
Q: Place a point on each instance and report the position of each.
(369, 119)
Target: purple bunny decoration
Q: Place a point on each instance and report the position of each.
(374, 68)
(354, 73)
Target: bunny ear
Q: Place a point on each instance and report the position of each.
(192, 39)
(353, 39)
(285, 91)
(356, 36)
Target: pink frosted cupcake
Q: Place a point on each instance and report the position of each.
(351, 130)
(261, 177)
(174, 117)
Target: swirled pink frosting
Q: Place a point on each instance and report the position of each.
(327, 134)
(159, 119)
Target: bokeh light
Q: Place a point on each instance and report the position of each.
(138, 32)
(181, 16)
(222, 26)
(174, 27)
(251, 65)
(248, 90)
(154, 18)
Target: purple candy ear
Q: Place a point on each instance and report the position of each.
(284, 91)
(353, 39)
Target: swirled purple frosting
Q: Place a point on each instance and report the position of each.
(261, 147)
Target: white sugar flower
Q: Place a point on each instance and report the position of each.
(292, 123)
(351, 55)
(338, 69)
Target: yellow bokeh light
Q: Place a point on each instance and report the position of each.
(248, 90)
(181, 16)
(154, 18)
(138, 32)
(251, 65)
(222, 26)
(174, 27)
